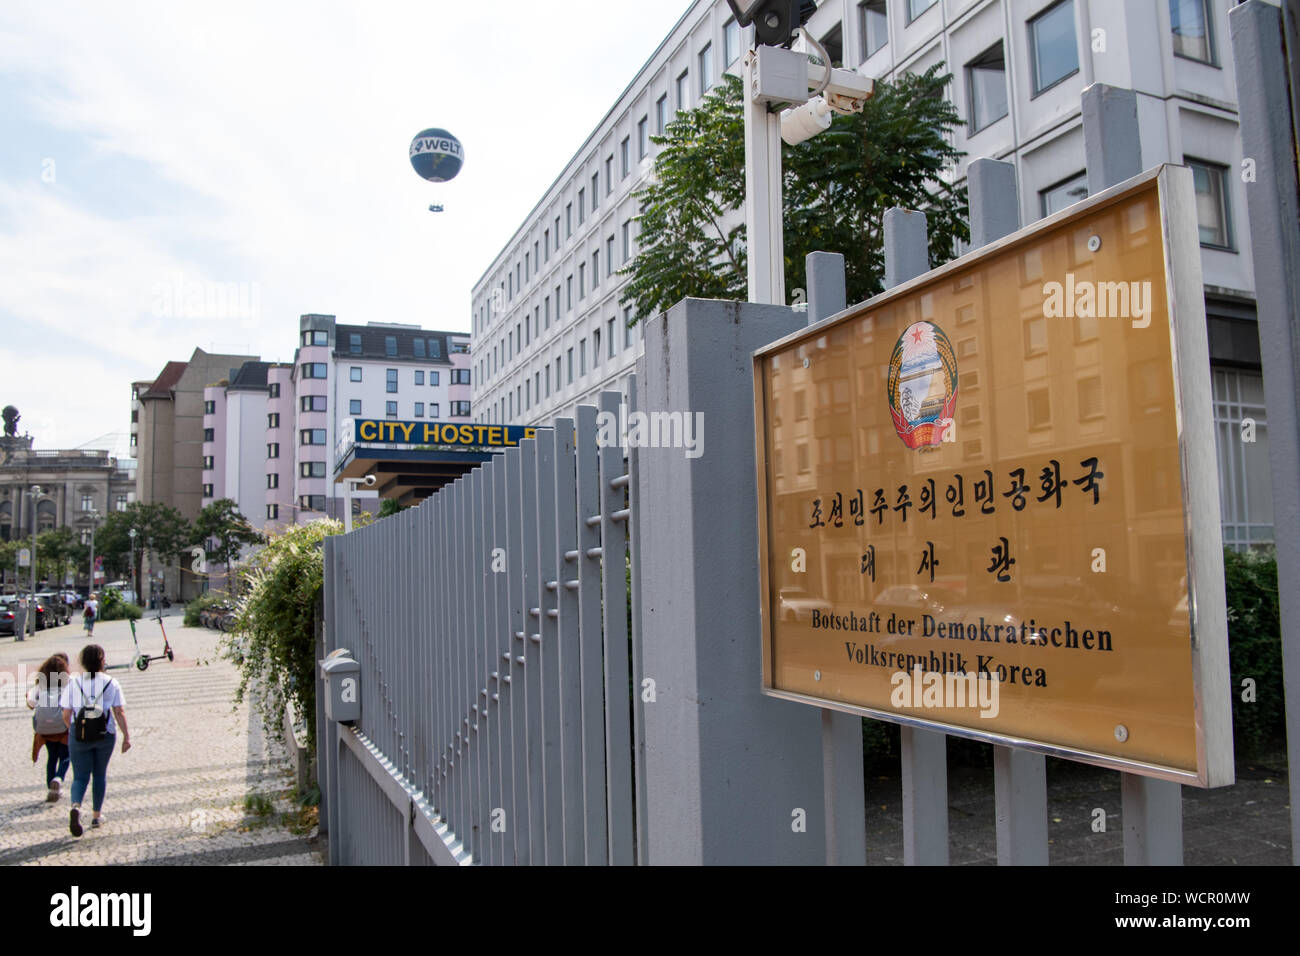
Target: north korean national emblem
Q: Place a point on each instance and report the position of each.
(922, 385)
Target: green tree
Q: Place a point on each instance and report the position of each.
(57, 552)
(389, 506)
(9, 558)
(228, 531)
(836, 189)
(158, 526)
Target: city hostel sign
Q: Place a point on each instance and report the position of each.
(989, 498)
(391, 431)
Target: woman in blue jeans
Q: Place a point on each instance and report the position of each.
(50, 732)
(99, 694)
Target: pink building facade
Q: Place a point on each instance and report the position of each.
(272, 431)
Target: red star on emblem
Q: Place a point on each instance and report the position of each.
(916, 336)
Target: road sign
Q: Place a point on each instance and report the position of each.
(989, 498)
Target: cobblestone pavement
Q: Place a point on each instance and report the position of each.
(201, 785)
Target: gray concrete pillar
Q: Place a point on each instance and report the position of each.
(731, 776)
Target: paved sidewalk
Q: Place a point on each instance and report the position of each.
(201, 785)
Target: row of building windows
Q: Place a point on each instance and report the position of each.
(539, 387)
(420, 347)
(1053, 50)
(513, 342)
(529, 263)
(456, 376)
(457, 409)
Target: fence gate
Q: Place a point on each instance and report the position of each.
(491, 626)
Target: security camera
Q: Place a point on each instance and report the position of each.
(775, 21)
(370, 480)
(805, 121)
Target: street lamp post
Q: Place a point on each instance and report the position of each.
(31, 603)
(93, 515)
(135, 580)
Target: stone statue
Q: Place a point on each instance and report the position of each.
(11, 416)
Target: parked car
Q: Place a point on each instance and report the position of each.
(10, 605)
(42, 612)
(7, 617)
(57, 612)
(124, 590)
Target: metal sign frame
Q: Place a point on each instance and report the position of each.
(1194, 420)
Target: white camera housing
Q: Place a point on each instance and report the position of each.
(806, 121)
(785, 76)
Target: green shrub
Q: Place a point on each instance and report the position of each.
(274, 641)
(880, 745)
(113, 608)
(207, 599)
(1255, 650)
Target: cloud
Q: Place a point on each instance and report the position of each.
(265, 144)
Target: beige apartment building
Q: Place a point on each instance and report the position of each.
(167, 436)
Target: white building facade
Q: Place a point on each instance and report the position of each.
(548, 329)
(271, 430)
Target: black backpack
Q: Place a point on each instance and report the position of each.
(91, 723)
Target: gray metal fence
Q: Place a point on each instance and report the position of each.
(515, 710)
(491, 624)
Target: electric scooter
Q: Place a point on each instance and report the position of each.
(141, 659)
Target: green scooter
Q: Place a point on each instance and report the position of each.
(141, 659)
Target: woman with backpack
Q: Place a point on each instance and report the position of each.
(50, 730)
(89, 614)
(91, 702)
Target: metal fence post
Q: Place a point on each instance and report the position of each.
(731, 775)
(1112, 146)
(1152, 809)
(326, 735)
(569, 677)
(614, 607)
(511, 661)
(844, 798)
(1268, 137)
(924, 752)
(587, 579)
(1019, 777)
(638, 703)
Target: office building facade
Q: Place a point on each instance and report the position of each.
(549, 332)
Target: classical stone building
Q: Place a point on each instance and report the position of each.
(78, 488)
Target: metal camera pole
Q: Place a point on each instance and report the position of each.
(774, 75)
(349, 486)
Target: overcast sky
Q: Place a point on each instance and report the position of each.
(154, 148)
